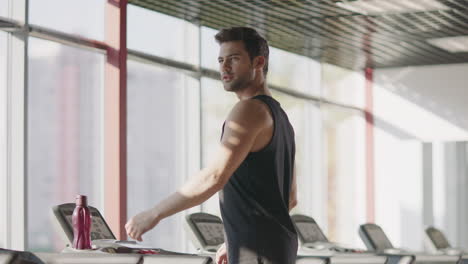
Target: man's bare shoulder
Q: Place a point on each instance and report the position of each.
(250, 110)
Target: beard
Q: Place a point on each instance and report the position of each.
(237, 84)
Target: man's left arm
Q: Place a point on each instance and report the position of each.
(244, 123)
(293, 193)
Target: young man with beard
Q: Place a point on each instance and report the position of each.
(254, 169)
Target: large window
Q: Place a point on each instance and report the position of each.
(295, 72)
(85, 17)
(63, 134)
(343, 85)
(399, 167)
(174, 122)
(162, 35)
(157, 111)
(344, 138)
(399, 188)
(4, 8)
(306, 121)
(209, 49)
(447, 208)
(216, 105)
(408, 118)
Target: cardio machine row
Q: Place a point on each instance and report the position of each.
(206, 232)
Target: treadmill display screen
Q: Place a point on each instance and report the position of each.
(438, 238)
(213, 233)
(99, 229)
(311, 232)
(379, 239)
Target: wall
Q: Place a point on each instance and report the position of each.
(412, 106)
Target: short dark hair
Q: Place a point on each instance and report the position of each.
(255, 44)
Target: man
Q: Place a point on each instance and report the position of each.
(254, 169)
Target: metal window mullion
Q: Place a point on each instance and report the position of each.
(16, 165)
(200, 104)
(67, 39)
(3, 149)
(428, 184)
(461, 181)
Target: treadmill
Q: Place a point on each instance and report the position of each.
(438, 243)
(313, 242)
(207, 234)
(107, 248)
(375, 240)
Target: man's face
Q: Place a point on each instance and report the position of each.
(235, 66)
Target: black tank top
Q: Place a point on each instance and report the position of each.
(254, 203)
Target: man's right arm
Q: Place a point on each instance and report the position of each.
(246, 120)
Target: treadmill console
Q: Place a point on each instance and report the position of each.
(374, 238)
(99, 227)
(207, 231)
(311, 236)
(104, 240)
(308, 230)
(437, 238)
(315, 243)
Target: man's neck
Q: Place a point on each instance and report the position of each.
(254, 90)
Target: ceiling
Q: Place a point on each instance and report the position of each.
(326, 31)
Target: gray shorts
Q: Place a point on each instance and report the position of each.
(246, 256)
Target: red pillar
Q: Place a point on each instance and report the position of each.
(115, 118)
(370, 180)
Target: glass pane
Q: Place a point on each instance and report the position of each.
(398, 157)
(291, 71)
(156, 107)
(410, 108)
(216, 105)
(63, 134)
(4, 8)
(447, 188)
(162, 35)
(209, 49)
(399, 170)
(344, 138)
(343, 86)
(84, 17)
(306, 120)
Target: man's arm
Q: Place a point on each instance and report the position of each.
(246, 120)
(293, 193)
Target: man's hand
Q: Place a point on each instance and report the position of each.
(221, 255)
(140, 224)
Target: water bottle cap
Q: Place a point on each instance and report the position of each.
(81, 200)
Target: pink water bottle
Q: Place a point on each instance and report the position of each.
(81, 224)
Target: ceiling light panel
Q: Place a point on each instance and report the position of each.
(451, 44)
(379, 7)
